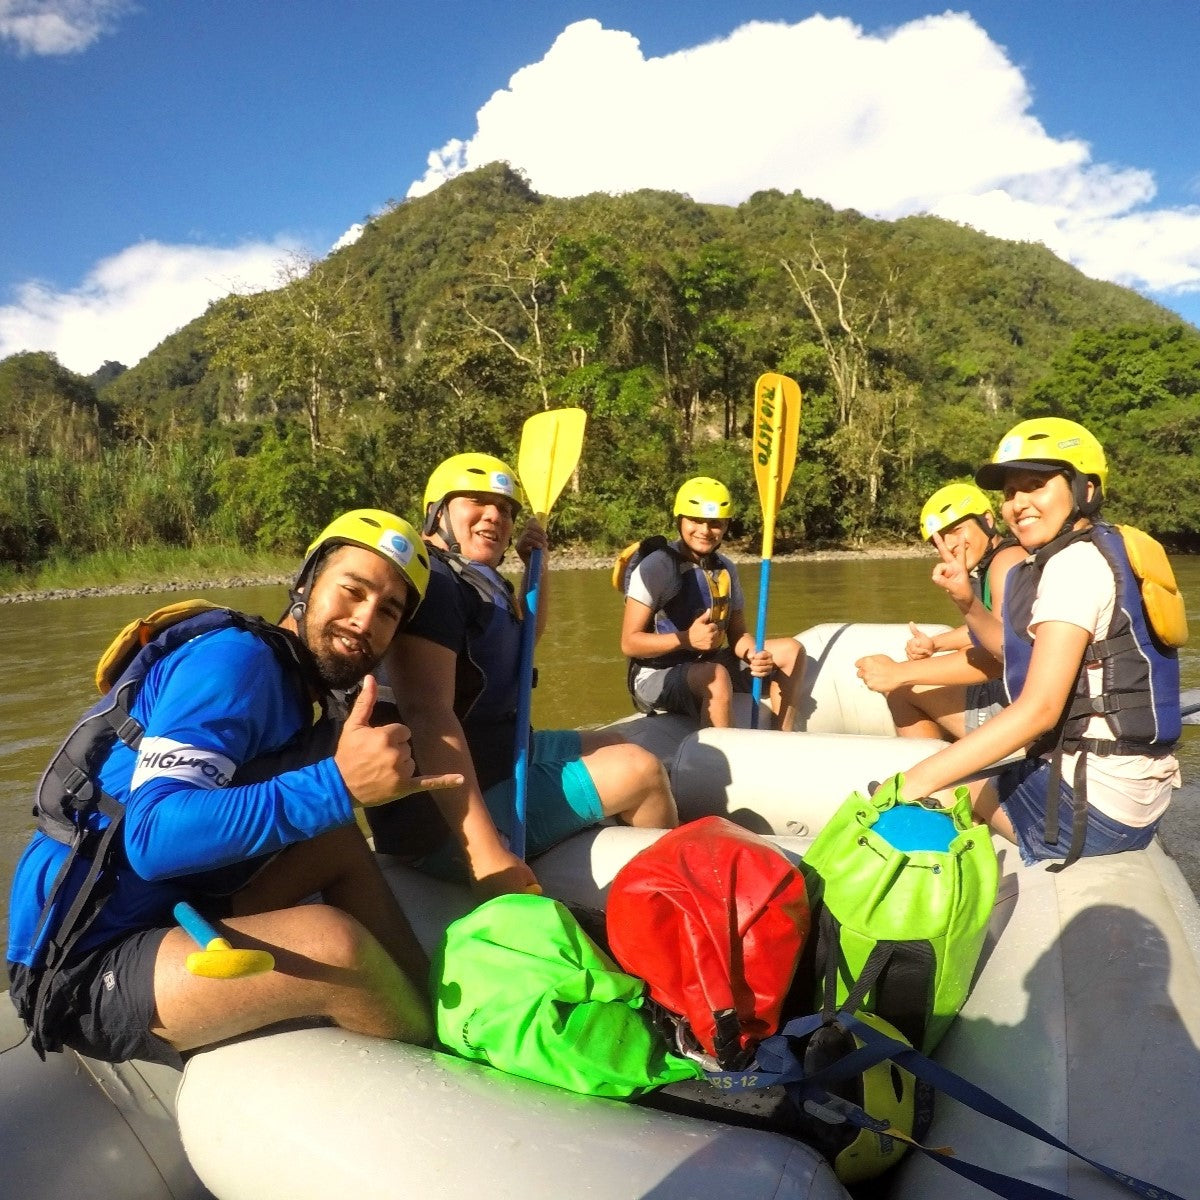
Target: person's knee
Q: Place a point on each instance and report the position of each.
(633, 785)
(654, 802)
(788, 655)
(339, 939)
(709, 679)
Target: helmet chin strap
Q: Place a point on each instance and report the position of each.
(1081, 504)
(447, 532)
(986, 524)
(438, 521)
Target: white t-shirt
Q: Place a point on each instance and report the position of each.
(1077, 587)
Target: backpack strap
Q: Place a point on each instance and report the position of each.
(779, 1063)
(891, 972)
(984, 1102)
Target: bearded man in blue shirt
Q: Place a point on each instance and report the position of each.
(217, 788)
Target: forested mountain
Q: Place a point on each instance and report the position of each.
(456, 315)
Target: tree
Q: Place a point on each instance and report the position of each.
(45, 409)
(311, 345)
(862, 330)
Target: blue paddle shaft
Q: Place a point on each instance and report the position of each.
(195, 925)
(760, 636)
(525, 704)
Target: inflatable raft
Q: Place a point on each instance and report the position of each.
(1085, 1017)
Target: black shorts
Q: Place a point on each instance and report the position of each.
(102, 1004)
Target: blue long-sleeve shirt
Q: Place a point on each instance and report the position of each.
(210, 706)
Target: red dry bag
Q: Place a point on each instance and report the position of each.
(714, 919)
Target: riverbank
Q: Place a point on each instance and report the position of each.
(565, 560)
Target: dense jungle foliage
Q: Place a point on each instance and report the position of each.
(916, 343)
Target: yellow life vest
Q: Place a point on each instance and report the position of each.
(1165, 608)
(139, 633)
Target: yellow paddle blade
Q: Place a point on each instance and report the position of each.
(229, 964)
(551, 443)
(776, 428)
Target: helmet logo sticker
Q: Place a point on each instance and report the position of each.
(502, 483)
(709, 508)
(396, 547)
(1009, 448)
(1067, 443)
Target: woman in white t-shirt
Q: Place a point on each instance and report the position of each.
(1095, 696)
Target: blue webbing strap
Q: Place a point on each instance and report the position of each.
(777, 1063)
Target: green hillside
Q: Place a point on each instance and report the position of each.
(456, 315)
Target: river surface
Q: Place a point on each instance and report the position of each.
(49, 649)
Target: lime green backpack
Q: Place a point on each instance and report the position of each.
(903, 893)
(517, 984)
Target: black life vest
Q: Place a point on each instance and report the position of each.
(980, 584)
(1139, 696)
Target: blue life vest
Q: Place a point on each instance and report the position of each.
(71, 807)
(1139, 697)
(699, 587)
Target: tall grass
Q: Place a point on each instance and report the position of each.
(172, 565)
(131, 515)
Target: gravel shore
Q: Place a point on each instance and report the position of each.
(566, 560)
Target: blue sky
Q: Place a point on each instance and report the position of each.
(155, 155)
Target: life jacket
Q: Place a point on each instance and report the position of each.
(71, 807)
(487, 691)
(1140, 673)
(699, 587)
(979, 574)
(1139, 696)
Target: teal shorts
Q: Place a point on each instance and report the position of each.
(560, 800)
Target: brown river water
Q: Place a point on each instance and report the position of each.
(49, 650)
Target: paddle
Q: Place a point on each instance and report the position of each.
(551, 443)
(218, 959)
(776, 426)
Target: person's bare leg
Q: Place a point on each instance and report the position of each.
(709, 682)
(326, 965)
(630, 781)
(985, 804)
(921, 710)
(341, 867)
(789, 656)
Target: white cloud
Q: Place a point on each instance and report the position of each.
(929, 117)
(58, 26)
(349, 237)
(128, 303)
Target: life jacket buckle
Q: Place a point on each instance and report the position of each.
(77, 788)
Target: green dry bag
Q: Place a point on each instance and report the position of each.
(517, 984)
(904, 894)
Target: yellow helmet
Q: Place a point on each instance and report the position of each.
(471, 473)
(386, 534)
(884, 1091)
(704, 499)
(950, 504)
(1046, 442)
